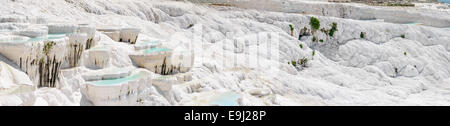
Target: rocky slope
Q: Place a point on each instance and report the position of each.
(364, 62)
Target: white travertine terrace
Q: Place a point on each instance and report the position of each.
(396, 62)
(22, 19)
(57, 28)
(97, 57)
(107, 73)
(112, 32)
(129, 35)
(42, 58)
(13, 80)
(155, 59)
(183, 59)
(164, 85)
(89, 30)
(146, 44)
(76, 46)
(33, 31)
(116, 33)
(120, 91)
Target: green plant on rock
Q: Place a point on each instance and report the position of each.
(321, 40)
(404, 53)
(303, 61)
(403, 36)
(314, 39)
(333, 29)
(362, 35)
(294, 63)
(301, 46)
(313, 52)
(292, 29)
(325, 31)
(47, 47)
(315, 23)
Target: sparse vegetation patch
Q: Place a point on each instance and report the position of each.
(315, 23)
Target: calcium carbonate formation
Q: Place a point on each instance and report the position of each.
(42, 50)
(118, 91)
(162, 52)
(128, 35)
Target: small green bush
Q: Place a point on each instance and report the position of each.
(292, 27)
(315, 23)
(333, 29)
(313, 52)
(362, 35)
(48, 46)
(321, 40)
(294, 63)
(314, 39)
(404, 53)
(301, 46)
(403, 36)
(303, 61)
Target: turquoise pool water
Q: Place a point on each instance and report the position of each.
(153, 50)
(118, 80)
(35, 39)
(49, 37)
(445, 1)
(226, 99)
(55, 38)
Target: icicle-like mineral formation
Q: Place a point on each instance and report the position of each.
(40, 58)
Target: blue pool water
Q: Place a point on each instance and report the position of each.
(153, 50)
(445, 1)
(49, 37)
(35, 39)
(55, 38)
(226, 99)
(118, 80)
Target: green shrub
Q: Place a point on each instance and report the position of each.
(315, 23)
(313, 52)
(403, 36)
(404, 53)
(333, 29)
(314, 39)
(321, 40)
(301, 46)
(362, 35)
(294, 63)
(303, 61)
(292, 29)
(47, 47)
